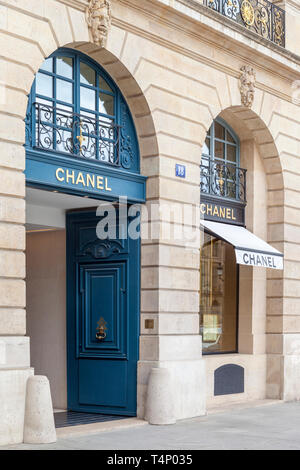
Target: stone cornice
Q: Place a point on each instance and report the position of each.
(77, 4)
(215, 30)
(184, 14)
(205, 11)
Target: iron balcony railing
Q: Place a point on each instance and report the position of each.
(83, 135)
(223, 179)
(260, 16)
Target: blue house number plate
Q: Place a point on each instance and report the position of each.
(180, 171)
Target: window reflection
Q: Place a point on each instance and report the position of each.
(87, 98)
(64, 67)
(75, 116)
(218, 296)
(106, 104)
(206, 147)
(87, 74)
(44, 85)
(103, 85)
(47, 65)
(64, 91)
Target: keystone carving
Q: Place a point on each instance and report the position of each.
(247, 85)
(98, 17)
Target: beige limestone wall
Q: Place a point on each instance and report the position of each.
(252, 285)
(255, 370)
(292, 25)
(46, 309)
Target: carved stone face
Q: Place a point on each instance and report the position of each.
(247, 85)
(99, 19)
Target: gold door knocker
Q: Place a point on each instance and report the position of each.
(101, 329)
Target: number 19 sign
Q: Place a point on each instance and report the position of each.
(180, 171)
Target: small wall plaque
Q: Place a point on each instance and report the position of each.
(149, 324)
(180, 171)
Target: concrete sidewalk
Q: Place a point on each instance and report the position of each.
(276, 426)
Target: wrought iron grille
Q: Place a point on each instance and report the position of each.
(259, 16)
(222, 179)
(81, 135)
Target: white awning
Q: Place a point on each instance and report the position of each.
(250, 250)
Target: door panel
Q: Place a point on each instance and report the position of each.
(103, 384)
(103, 283)
(103, 295)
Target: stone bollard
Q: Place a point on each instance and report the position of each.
(160, 405)
(39, 427)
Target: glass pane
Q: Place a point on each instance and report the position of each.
(218, 294)
(88, 148)
(44, 137)
(219, 131)
(88, 123)
(64, 141)
(107, 129)
(231, 153)
(44, 111)
(106, 104)
(87, 98)
(64, 116)
(219, 150)
(64, 91)
(47, 65)
(64, 67)
(44, 85)
(106, 152)
(103, 85)
(87, 74)
(229, 137)
(231, 189)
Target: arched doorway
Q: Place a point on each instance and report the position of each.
(82, 151)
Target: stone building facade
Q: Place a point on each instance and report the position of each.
(179, 66)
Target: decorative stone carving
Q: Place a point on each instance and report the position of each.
(247, 85)
(100, 249)
(98, 17)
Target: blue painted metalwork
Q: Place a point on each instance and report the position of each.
(78, 118)
(103, 282)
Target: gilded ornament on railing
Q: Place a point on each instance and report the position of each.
(222, 179)
(278, 27)
(75, 134)
(247, 85)
(247, 13)
(258, 16)
(98, 17)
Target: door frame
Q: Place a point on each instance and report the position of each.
(80, 216)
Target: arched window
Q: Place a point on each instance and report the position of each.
(76, 110)
(221, 178)
(220, 172)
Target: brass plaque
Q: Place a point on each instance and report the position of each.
(149, 324)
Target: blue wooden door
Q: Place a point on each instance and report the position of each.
(102, 291)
